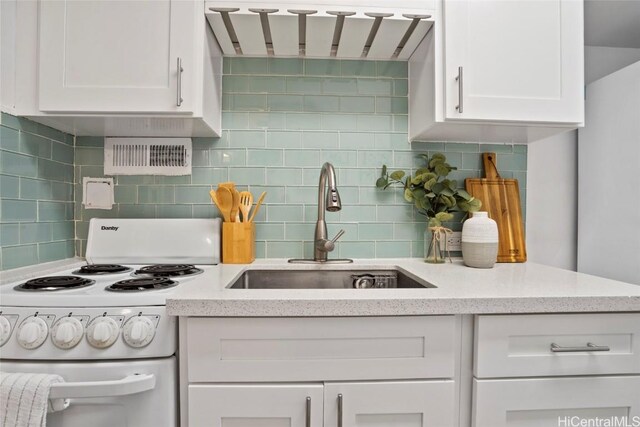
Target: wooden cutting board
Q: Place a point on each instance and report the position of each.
(501, 199)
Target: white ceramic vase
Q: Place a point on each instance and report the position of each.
(480, 241)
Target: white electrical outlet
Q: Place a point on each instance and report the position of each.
(454, 241)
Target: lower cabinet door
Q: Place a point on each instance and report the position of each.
(255, 405)
(389, 404)
(574, 401)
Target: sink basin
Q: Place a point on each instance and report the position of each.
(326, 279)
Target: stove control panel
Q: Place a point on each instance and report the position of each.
(32, 332)
(87, 333)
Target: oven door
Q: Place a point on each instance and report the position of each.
(140, 393)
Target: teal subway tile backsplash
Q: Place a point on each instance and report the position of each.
(321, 67)
(36, 193)
(282, 118)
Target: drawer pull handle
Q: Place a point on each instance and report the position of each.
(340, 410)
(589, 347)
(308, 412)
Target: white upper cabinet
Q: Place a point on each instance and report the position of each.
(116, 68)
(518, 59)
(116, 56)
(498, 71)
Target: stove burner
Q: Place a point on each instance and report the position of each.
(98, 269)
(168, 270)
(54, 283)
(142, 284)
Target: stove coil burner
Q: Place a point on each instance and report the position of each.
(168, 270)
(54, 283)
(99, 269)
(142, 284)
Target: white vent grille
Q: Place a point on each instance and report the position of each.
(147, 156)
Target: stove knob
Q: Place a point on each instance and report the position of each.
(67, 333)
(32, 332)
(138, 331)
(102, 332)
(5, 330)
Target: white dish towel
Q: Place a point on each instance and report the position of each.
(24, 399)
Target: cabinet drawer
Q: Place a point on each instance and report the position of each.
(301, 349)
(521, 345)
(555, 401)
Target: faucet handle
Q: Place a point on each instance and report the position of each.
(339, 235)
(329, 245)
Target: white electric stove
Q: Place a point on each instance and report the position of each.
(103, 326)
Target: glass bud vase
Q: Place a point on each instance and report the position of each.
(432, 246)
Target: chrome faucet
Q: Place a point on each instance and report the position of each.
(331, 202)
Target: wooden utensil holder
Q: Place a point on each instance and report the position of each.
(238, 242)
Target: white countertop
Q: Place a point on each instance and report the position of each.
(506, 288)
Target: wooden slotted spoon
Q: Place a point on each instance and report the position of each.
(246, 201)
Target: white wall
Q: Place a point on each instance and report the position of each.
(552, 177)
(602, 61)
(609, 208)
(552, 200)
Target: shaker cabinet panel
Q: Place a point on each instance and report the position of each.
(255, 405)
(390, 404)
(555, 401)
(514, 61)
(557, 344)
(320, 349)
(114, 56)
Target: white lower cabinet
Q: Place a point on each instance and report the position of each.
(267, 405)
(416, 371)
(323, 371)
(574, 401)
(556, 370)
(347, 404)
(389, 404)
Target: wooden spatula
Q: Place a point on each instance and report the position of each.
(255, 211)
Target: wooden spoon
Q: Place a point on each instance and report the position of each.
(225, 202)
(255, 211)
(214, 199)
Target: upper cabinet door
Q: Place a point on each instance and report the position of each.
(116, 56)
(520, 60)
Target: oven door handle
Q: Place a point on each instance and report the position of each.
(132, 384)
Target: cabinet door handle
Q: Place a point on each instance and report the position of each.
(459, 107)
(589, 347)
(179, 92)
(340, 410)
(308, 413)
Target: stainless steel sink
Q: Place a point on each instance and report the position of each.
(326, 279)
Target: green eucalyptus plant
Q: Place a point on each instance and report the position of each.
(432, 193)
